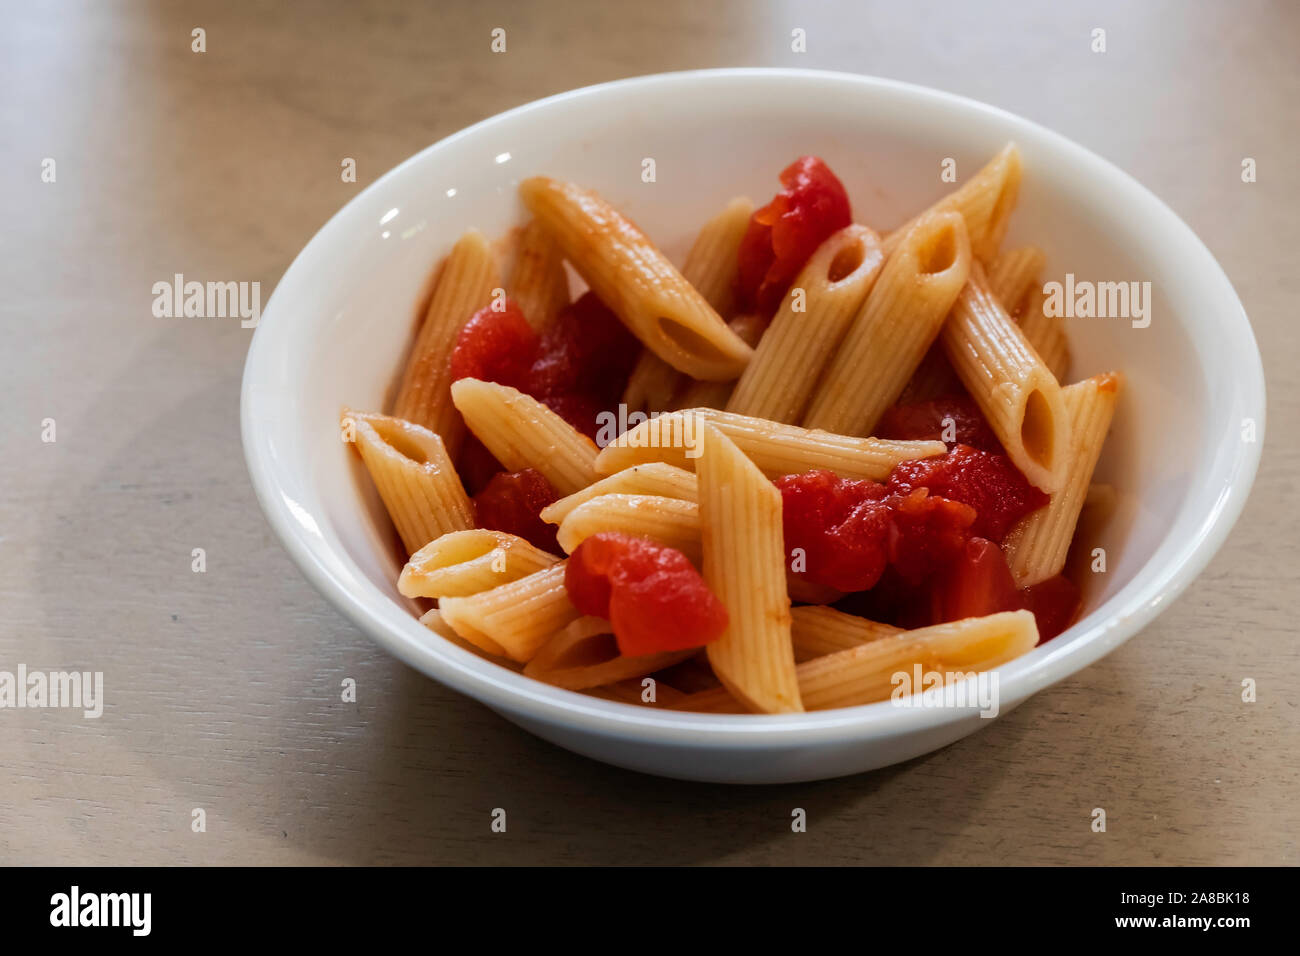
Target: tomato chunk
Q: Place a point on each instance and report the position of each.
(953, 419)
(979, 583)
(841, 526)
(989, 483)
(976, 584)
(495, 346)
(582, 363)
(1055, 603)
(784, 233)
(851, 530)
(650, 593)
(476, 465)
(512, 502)
(578, 366)
(928, 532)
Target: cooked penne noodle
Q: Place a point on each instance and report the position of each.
(636, 281)
(790, 358)
(461, 563)
(513, 620)
(711, 267)
(538, 284)
(700, 394)
(652, 478)
(434, 622)
(867, 673)
(1012, 385)
(584, 654)
(810, 592)
(692, 675)
(744, 564)
(985, 202)
(523, 433)
(669, 521)
(414, 476)
(1046, 333)
(818, 631)
(775, 448)
(468, 277)
(1037, 547)
(900, 320)
(713, 263)
(1014, 274)
(652, 384)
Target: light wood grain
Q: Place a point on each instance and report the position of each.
(224, 687)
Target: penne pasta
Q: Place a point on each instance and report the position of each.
(797, 347)
(744, 564)
(523, 433)
(810, 592)
(1037, 547)
(692, 675)
(1046, 333)
(652, 478)
(513, 620)
(776, 449)
(584, 654)
(538, 283)
(985, 203)
(712, 264)
(902, 316)
(669, 521)
(652, 384)
(465, 285)
(868, 672)
(1012, 385)
(818, 631)
(700, 394)
(636, 281)
(1014, 274)
(717, 409)
(434, 622)
(413, 475)
(466, 562)
(711, 267)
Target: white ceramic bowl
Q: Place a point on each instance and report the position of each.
(334, 330)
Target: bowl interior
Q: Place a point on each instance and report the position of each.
(337, 326)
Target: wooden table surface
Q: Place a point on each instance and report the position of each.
(222, 687)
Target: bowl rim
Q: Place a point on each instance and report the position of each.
(501, 688)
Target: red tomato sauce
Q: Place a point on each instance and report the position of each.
(513, 503)
(953, 419)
